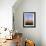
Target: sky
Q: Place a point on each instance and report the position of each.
(28, 16)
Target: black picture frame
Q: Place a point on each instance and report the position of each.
(29, 19)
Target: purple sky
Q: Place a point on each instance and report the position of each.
(28, 16)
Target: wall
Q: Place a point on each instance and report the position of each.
(29, 33)
(6, 13)
(6, 16)
(35, 34)
(43, 22)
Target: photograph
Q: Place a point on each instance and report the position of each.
(29, 19)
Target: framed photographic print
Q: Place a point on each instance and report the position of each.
(29, 19)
